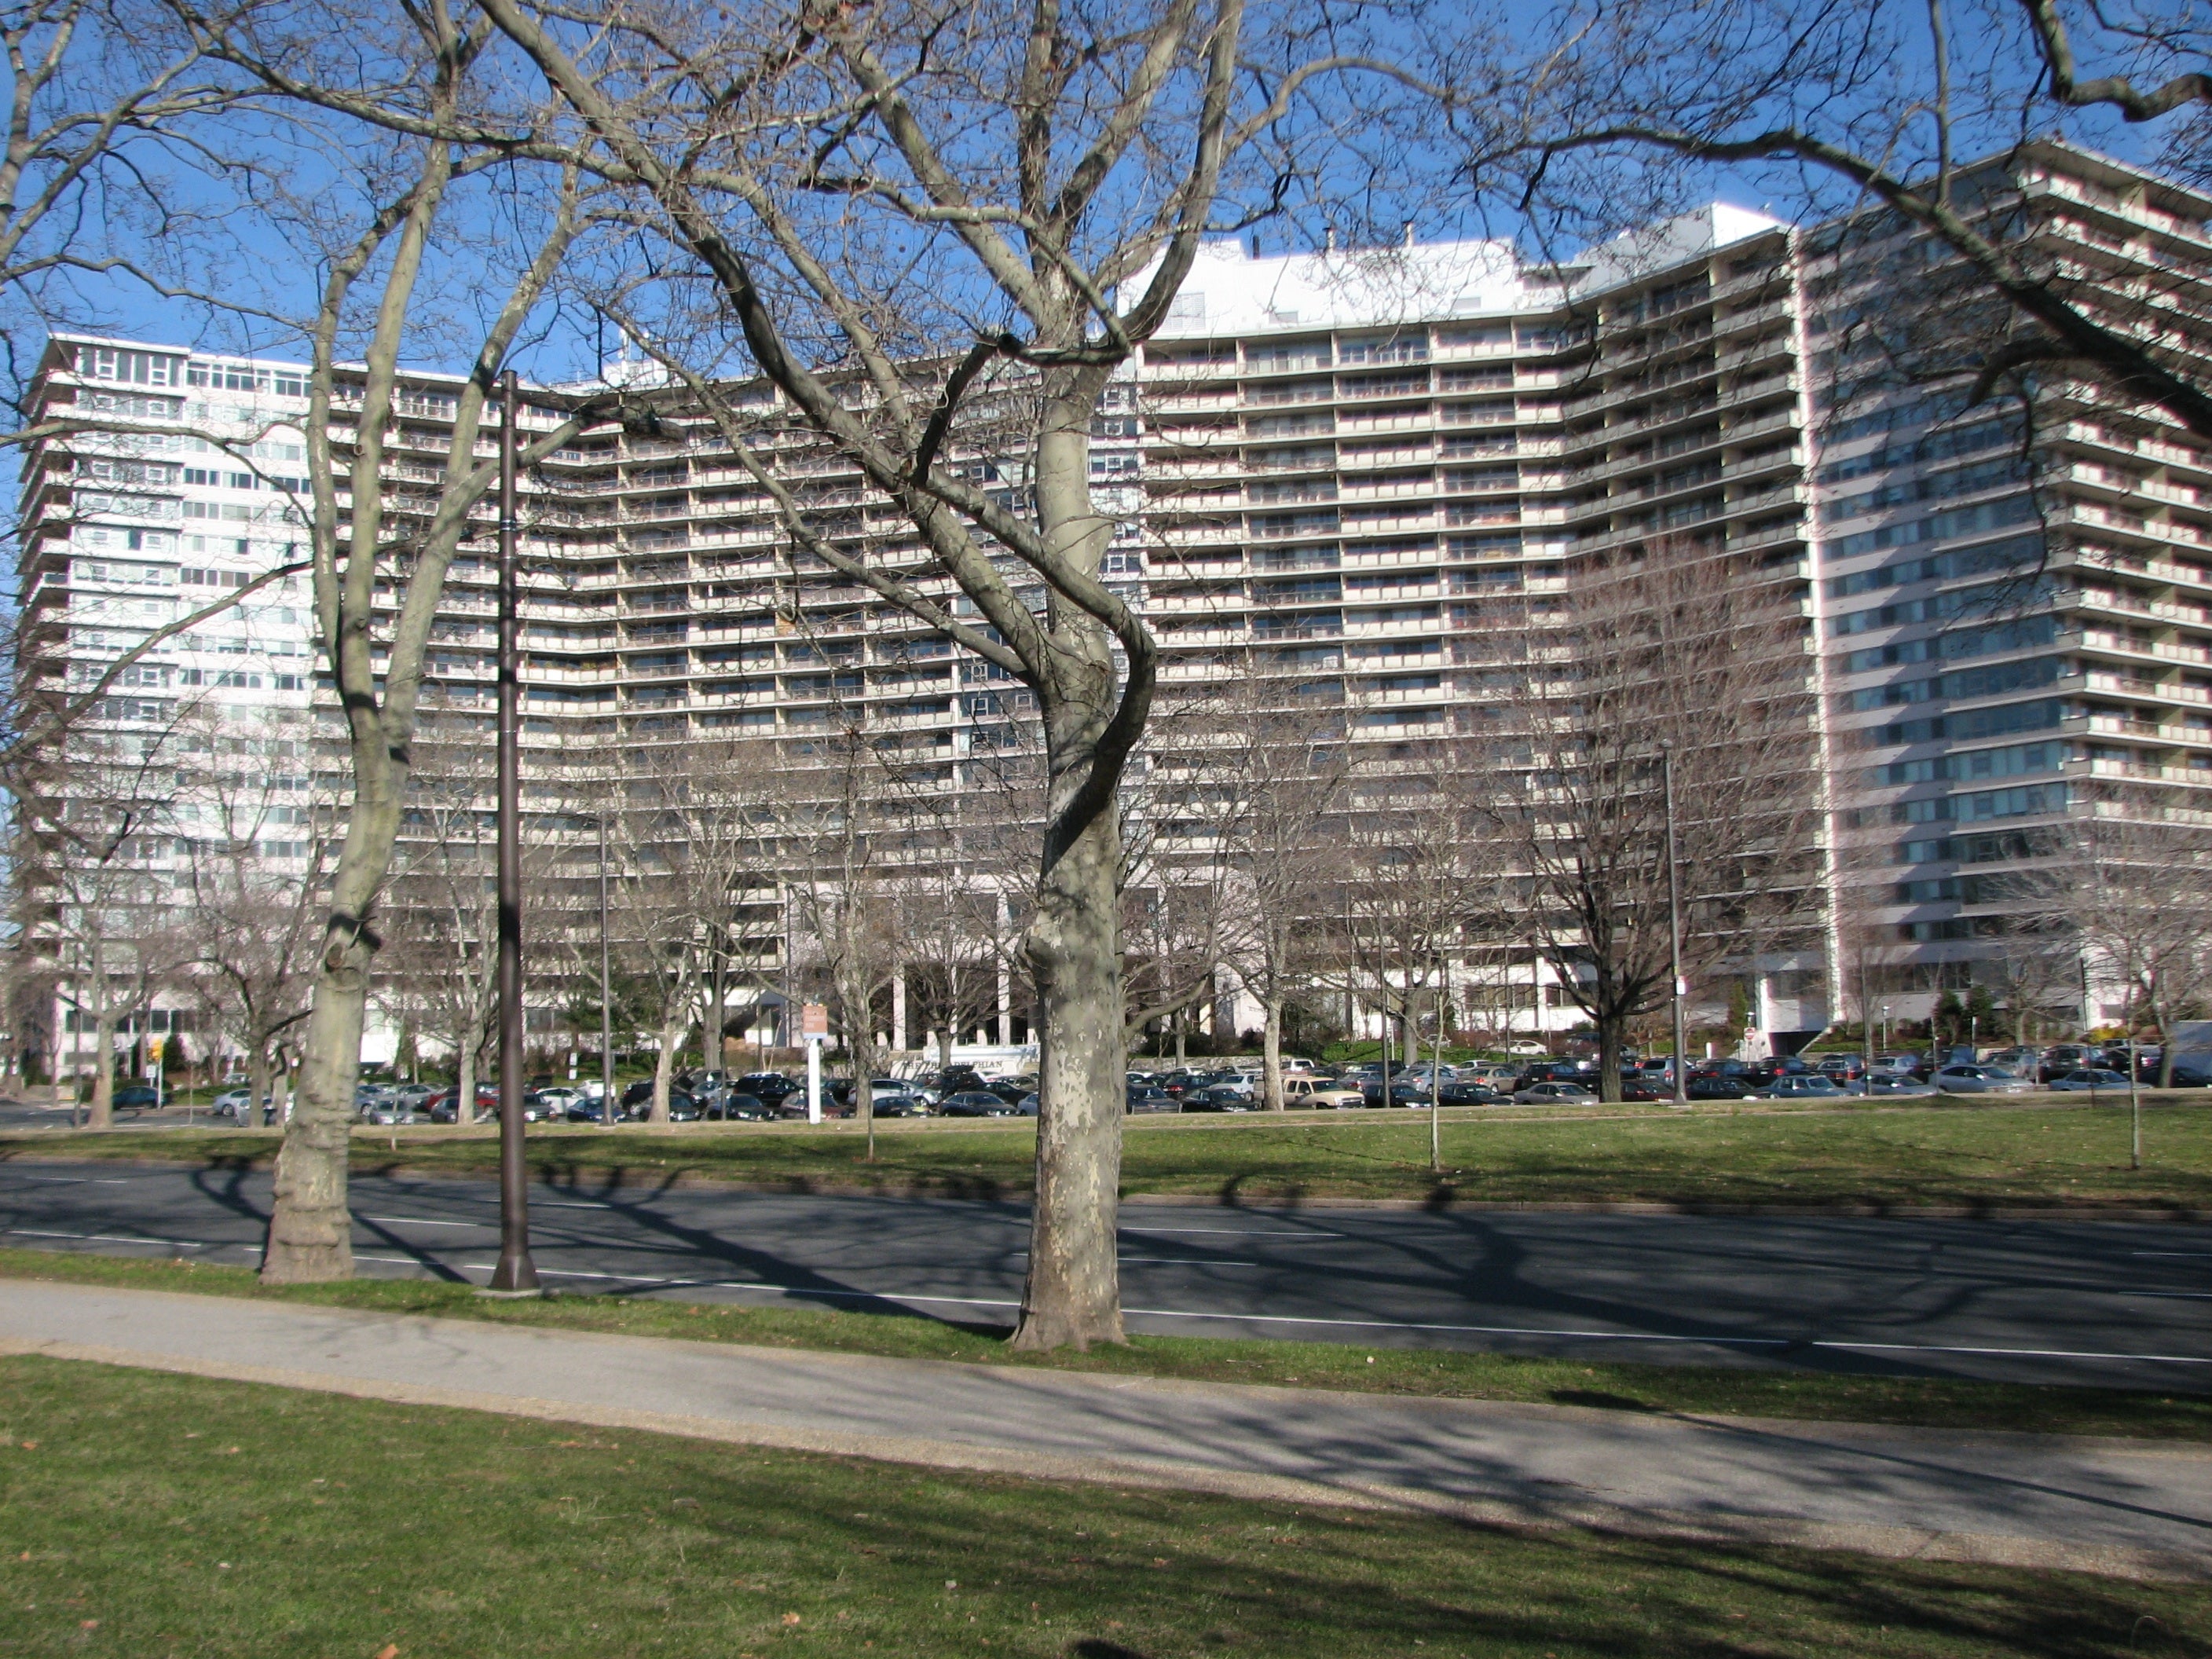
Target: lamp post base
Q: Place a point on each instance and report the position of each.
(532, 1294)
(515, 1275)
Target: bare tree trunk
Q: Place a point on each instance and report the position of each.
(280, 1094)
(310, 1227)
(1272, 1046)
(1073, 1295)
(101, 1113)
(1608, 1058)
(465, 1075)
(259, 1087)
(672, 1033)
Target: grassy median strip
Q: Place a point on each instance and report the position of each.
(143, 1514)
(1809, 1395)
(1948, 1154)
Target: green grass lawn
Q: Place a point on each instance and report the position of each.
(153, 1516)
(1881, 1156)
(1729, 1390)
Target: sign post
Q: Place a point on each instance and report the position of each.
(814, 1029)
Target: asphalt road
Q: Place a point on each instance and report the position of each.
(2079, 1301)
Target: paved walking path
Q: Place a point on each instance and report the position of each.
(2133, 1508)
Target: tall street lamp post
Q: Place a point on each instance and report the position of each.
(1681, 1066)
(515, 1275)
(607, 996)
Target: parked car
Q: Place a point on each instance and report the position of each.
(231, 1102)
(138, 1097)
(2060, 1058)
(2088, 1078)
(1897, 1083)
(1981, 1080)
(1468, 1091)
(1525, 1046)
(1711, 1085)
(1029, 1105)
(1404, 1091)
(1220, 1097)
(439, 1108)
(637, 1102)
(770, 1086)
(973, 1103)
(1812, 1087)
(555, 1102)
(1636, 1086)
(1320, 1094)
(1143, 1097)
(1498, 1074)
(1553, 1094)
(901, 1105)
(730, 1107)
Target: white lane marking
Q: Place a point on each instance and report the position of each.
(1181, 1262)
(420, 1221)
(1487, 1330)
(1726, 1341)
(1238, 1232)
(112, 1238)
(78, 1180)
(2019, 1353)
(2194, 1255)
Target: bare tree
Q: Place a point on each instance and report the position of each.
(1412, 856)
(685, 848)
(382, 550)
(250, 857)
(96, 845)
(901, 212)
(838, 814)
(1286, 841)
(1183, 917)
(1678, 647)
(2133, 887)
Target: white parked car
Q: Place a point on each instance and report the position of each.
(1525, 1046)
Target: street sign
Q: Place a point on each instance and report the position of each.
(814, 1022)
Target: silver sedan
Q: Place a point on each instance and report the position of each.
(1554, 1094)
(2090, 1079)
(1981, 1080)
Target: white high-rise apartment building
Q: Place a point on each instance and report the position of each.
(1345, 473)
